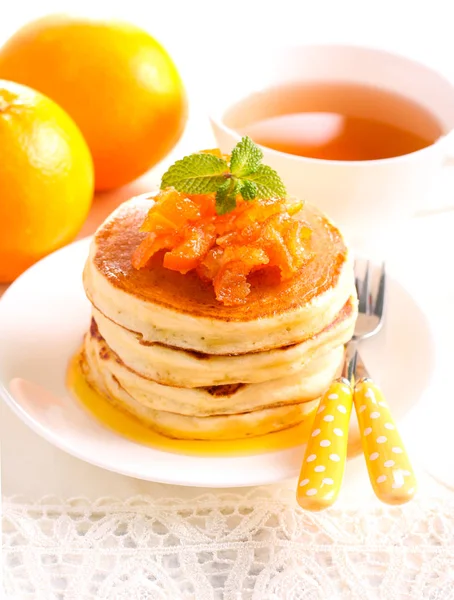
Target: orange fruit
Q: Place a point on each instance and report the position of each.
(116, 81)
(46, 178)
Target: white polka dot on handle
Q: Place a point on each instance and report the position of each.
(328, 481)
(311, 492)
(362, 408)
(311, 458)
(381, 439)
(333, 397)
(374, 415)
(338, 432)
(397, 450)
(374, 456)
(316, 432)
(389, 463)
(397, 484)
(304, 482)
(389, 426)
(341, 408)
(328, 418)
(381, 479)
(334, 457)
(368, 431)
(370, 394)
(383, 404)
(325, 443)
(321, 409)
(320, 468)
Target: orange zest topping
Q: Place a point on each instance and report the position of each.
(224, 249)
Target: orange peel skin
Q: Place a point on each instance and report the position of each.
(224, 249)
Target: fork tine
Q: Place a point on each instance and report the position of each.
(357, 285)
(364, 305)
(380, 301)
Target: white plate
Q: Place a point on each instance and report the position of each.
(43, 317)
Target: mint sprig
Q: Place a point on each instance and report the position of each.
(245, 175)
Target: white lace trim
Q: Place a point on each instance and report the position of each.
(252, 546)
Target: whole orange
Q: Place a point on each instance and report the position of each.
(46, 178)
(116, 81)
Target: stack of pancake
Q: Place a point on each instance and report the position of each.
(163, 348)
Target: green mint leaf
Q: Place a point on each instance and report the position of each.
(248, 190)
(204, 173)
(226, 196)
(245, 158)
(196, 174)
(268, 182)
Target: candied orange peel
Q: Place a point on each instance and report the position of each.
(224, 249)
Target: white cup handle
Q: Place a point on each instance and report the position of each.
(446, 205)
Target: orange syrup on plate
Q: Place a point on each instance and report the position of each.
(131, 428)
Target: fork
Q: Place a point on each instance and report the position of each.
(388, 465)
(323, 465)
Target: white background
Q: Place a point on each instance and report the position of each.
(204, 30)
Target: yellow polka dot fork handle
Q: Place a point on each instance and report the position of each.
(390, 471)
(323, 465)
(322, 471)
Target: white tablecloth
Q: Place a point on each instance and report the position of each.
(253, 546)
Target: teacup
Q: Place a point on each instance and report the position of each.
(368, 197)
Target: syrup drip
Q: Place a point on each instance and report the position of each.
(131, 428)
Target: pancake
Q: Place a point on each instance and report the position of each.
(220, 427)
(102, 365)
(177, 310)
(162, 348)
(189, 369)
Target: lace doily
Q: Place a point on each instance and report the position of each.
(256, 546)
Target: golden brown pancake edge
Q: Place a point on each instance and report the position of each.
(117, 239)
